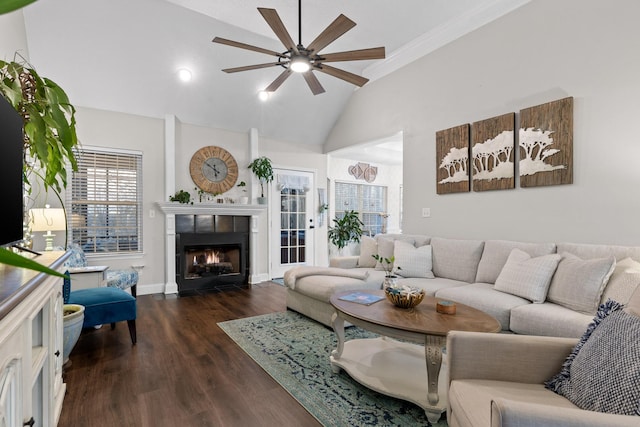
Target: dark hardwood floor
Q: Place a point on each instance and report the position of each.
(184, 370)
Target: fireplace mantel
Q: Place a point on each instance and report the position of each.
(210, 208)
(171, 209)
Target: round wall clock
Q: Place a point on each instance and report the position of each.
(213, 169)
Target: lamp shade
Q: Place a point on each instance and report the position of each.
(47, 219)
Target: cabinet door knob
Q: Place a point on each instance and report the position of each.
(57, 353)
(29, 423)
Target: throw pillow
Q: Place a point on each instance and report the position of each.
(527, 277)
(368, 248)
(623, 282)
(412, 261)
(386, 247)
(602, 373)
(578, 283)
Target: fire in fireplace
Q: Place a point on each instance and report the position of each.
(201, 262)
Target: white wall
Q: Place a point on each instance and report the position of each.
(13, 37)
(544, 51)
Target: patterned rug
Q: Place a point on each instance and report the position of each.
(295, 350)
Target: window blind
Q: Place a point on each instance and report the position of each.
(106, 201)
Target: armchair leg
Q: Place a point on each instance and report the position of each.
(134, 291)
(132, 330)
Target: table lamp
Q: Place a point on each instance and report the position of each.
(47, 219)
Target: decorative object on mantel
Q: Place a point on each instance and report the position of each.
(181, 197)
(493, 152)
(363, 171)
(542, 126)
(452, 160)
(213, 169)
(244, 199)
(262, 169)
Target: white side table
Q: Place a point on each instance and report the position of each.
(93, 276)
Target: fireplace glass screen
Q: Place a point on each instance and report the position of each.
(220, 260)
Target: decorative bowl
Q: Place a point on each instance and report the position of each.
(404, 296)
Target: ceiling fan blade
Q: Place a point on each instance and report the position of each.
(278, 81)
(342, 74)
(313, 83)
(251, 67)
(338, 27)
(274, 21)
(353, 55)
(247, 46)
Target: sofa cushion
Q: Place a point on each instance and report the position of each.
(548, 319)
(589, 251)
(603, 372)
(483, 297)
(431, 286)
(411, 261)
(456, 259)
(496, 253)
(578, 284)
(623, 282)
(527, 277)
(470, 399)
(386, 247)
(368, 248)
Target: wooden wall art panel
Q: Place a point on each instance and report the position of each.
(493, 152)
(452, 157)
(546, 144)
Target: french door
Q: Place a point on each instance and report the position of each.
(292, 220)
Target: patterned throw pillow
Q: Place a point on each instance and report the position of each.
(527, 277)
(602, 373)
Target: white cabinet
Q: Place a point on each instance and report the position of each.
(31, 386)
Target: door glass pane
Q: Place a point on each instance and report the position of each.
(293, 221)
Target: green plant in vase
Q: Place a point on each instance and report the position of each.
(262, 169)
(390, 279)
(346, 229)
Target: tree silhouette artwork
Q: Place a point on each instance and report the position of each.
(492, 158)
(546, 144)
(455, 163)
(534, 143)
(452, 160)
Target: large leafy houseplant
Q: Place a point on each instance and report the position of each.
(49, 133)
(262, 169)
(347, 229)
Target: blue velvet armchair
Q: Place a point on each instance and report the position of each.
(122, 279)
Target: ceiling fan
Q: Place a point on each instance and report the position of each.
(304, 60)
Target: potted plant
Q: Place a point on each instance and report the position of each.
(244, 199)
(181, 197)
(390, 279)
(49, 133)
(347, 229)
(262, 169)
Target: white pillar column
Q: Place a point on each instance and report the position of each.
(170, 138)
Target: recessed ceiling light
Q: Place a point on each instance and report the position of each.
(184, 75)
(263, 95)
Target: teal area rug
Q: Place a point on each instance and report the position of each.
(295, 351)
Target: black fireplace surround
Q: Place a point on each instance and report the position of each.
(212, 253)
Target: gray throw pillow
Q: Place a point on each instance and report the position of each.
(527, 277)
(602, 373)
(368, 248)
(578, 283)
(411, 261)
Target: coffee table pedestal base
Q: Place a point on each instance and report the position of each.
(394, 368)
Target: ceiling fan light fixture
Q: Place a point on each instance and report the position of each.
(263, 95)
(300, 64)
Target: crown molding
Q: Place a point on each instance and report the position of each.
(442, 35)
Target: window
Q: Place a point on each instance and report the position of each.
(370, 201)
(106, 201)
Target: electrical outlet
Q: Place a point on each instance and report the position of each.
(426, 212)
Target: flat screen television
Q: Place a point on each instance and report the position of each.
(11, 184)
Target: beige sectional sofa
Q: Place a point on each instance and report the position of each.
(550, 289)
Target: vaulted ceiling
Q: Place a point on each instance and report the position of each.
(123, 55)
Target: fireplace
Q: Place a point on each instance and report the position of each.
(212, 253)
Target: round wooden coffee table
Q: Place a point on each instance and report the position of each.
(398, 368)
